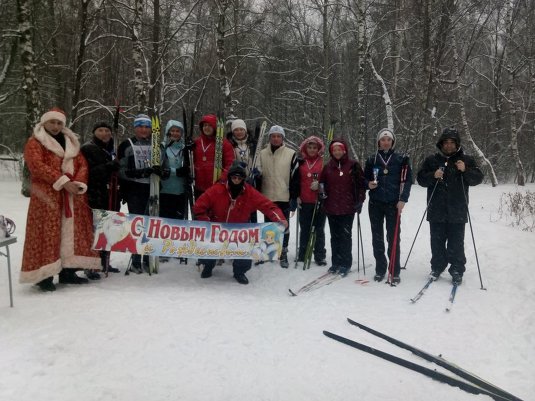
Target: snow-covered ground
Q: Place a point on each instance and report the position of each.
(174, 336)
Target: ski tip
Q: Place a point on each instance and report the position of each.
(293, 294)
(413, 301)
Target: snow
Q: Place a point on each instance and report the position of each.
(174, 336)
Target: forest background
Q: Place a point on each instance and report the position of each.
(415, 66)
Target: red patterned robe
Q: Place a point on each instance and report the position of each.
(53, 240)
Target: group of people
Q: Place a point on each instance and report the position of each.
(68, 180)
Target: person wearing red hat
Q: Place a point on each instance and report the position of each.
(59, 228)
(204, 155)
(342, 187)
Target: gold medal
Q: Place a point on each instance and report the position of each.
(309, 175)
(385, 171)
(341, 173)
(204, 158)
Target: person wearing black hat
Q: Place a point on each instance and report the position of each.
(233, 202)
(447, 175)
(99, 153)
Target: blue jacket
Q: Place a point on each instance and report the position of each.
(388, 190)
(173, 159)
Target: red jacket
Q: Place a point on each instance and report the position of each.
(217, 205)
(204, 160)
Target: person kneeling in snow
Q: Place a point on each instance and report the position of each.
(233, 202)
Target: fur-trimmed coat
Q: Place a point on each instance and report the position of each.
(54, 241)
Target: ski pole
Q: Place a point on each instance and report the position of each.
(472, 232)
(361, 243)
(297, 239)
(420, 225)
(392, 261)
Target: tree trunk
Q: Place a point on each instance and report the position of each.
(155, 64)
(479, 155)
(30, 83)
(137, 56)
(80, 57)
(224, 83)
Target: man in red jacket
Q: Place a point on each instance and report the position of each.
(204, 155)
(233, 202)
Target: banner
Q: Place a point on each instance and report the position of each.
(159, 236)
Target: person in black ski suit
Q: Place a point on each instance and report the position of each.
(447, 176)
(134, 157)
(100, 157)
(388, 195)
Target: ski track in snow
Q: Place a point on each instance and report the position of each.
(174, 336)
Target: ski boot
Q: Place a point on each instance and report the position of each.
(284, 258)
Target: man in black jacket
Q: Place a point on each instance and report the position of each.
(99, 153)
(447, 176)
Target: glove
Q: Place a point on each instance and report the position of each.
(112, 166)
(293, 205)
(358, 206)
(166, 173)
(314, 185)
(139, 173)
(157, 170)
(255, 173)
(182, 171)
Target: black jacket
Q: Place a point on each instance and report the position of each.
(99, 158)
(448, 203)
(388, 190)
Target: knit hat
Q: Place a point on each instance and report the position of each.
(101, 124)
(209, 119)
(142, 120)
(54, 114)
(386, 132)
(237, 168)
(238, 123)
(277, 129)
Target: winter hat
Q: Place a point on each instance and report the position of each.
(449, 133)
(277, 129)
(54, 114)
(101, 124)
(237, 168)
(238, 123)
(337, 143)
(142, 120)
(386, 132)
(315, 139)
(210, 119)
(173, 123)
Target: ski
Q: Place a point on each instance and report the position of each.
(423, 289)
(433, 374)
(218, 161)
(154, 198)
(452, 297)
(321, 281)
(439, 361)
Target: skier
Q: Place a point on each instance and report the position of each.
(343, 192)
(59, 229)
(233, 202)
(278, 169)
(311, 164)
(172, 194)
(389, 192)
(99, 153)
(135, 169)
(204, 155)
(447, 176)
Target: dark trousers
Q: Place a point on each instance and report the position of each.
(137, 200)
(341, 242)
(285, 207)
(239, 266)
(447, 246)
(173, 206)
(379, 213)
(305, 224)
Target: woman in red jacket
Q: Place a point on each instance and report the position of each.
(204, 155)
(343, 190)
(233, 202)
